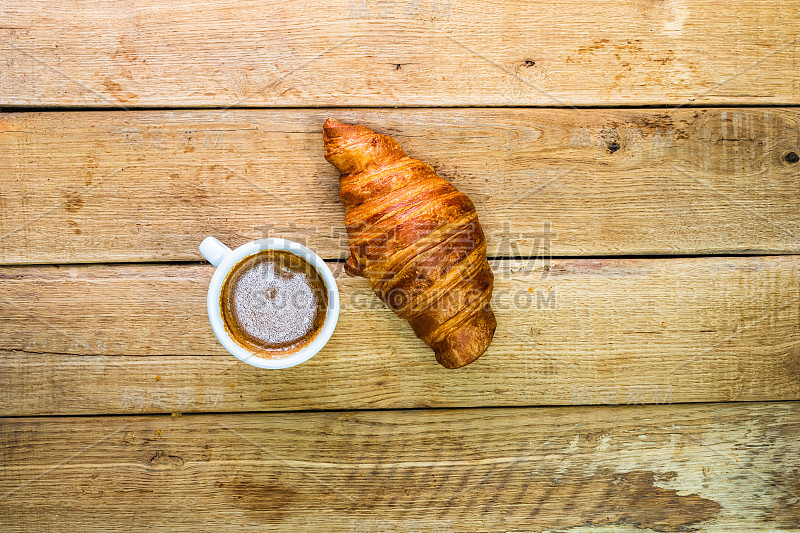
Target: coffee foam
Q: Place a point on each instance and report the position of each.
(274, 308)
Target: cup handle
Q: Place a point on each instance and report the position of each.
(213, 250)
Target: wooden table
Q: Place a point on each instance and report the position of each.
(635, 168)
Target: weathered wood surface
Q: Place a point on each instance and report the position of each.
(125, 338)
(142, 186)
(398, 53)
(106, 186)
(707, 467)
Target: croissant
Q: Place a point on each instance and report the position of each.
(417, 241)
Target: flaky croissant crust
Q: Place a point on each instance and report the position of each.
(417, 241)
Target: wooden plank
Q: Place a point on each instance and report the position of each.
(664, 468)
(398, 53)
(122, 339)
(143, 186)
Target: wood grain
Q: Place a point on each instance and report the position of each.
(647, 468)
(149, 186)
(553, 179)
(136, 339)
(398, 53)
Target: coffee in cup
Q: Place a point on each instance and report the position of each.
(273, 303)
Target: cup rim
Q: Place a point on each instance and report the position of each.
(215, 315)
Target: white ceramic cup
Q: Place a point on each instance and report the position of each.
(225, 259)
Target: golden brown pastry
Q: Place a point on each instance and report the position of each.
(416, 240)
